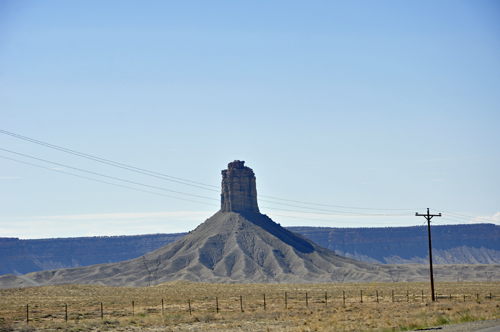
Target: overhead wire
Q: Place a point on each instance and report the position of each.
(312, 210)
(465, 217)
(177, 179)
(339, 206)
(131, 182)
(107, 176)
(113, 163)
(190, 200)
(106, 182)
(321, 220)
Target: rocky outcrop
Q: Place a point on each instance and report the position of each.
(239, 190)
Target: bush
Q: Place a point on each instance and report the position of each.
(442, 320)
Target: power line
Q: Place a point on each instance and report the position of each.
(324, 220)
(177, 192)
(180, 180)
(107, 176)
(137, 183)
(110, 183)
(344, 214)
(339, 206)
(200, 185)
(349, 213)
(310, 210)
(465, 217)
(113, 163)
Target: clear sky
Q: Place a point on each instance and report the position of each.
(373, 109)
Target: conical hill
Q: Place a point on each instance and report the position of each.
(248, 247)
(229, 247)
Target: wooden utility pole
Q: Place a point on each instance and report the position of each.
(429, 216)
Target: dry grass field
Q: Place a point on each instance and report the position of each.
(405, 311)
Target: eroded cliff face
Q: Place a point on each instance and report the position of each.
(239, 190)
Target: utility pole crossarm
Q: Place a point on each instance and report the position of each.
(429, 216)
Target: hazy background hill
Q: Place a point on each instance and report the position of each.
(24, 256)
(452, 244)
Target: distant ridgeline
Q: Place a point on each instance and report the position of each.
(452, 244)
(24, 256)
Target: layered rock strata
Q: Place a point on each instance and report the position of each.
(239, 190)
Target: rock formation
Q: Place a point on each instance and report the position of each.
(238, 245)
(239, 191)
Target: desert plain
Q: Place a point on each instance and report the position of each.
(400, 306)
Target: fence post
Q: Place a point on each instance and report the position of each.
(422, 295)
(264, 301)
(189, 302)
(217, 304)
(286, 306)
(407, 296)
(361, 295)
(241, 303)
(162, 307)
(27, 314)
(102, 315)
(133, 309)
(326, 299)
(343, 297)
(307, 304)
(66, 312)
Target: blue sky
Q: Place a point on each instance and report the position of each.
(376, 110)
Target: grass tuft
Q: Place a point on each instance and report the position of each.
(442, 320)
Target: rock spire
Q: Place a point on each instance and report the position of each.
(239, 191)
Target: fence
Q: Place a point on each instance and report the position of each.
(277, 301)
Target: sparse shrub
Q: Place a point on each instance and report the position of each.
(466, 317)
(442, 320)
